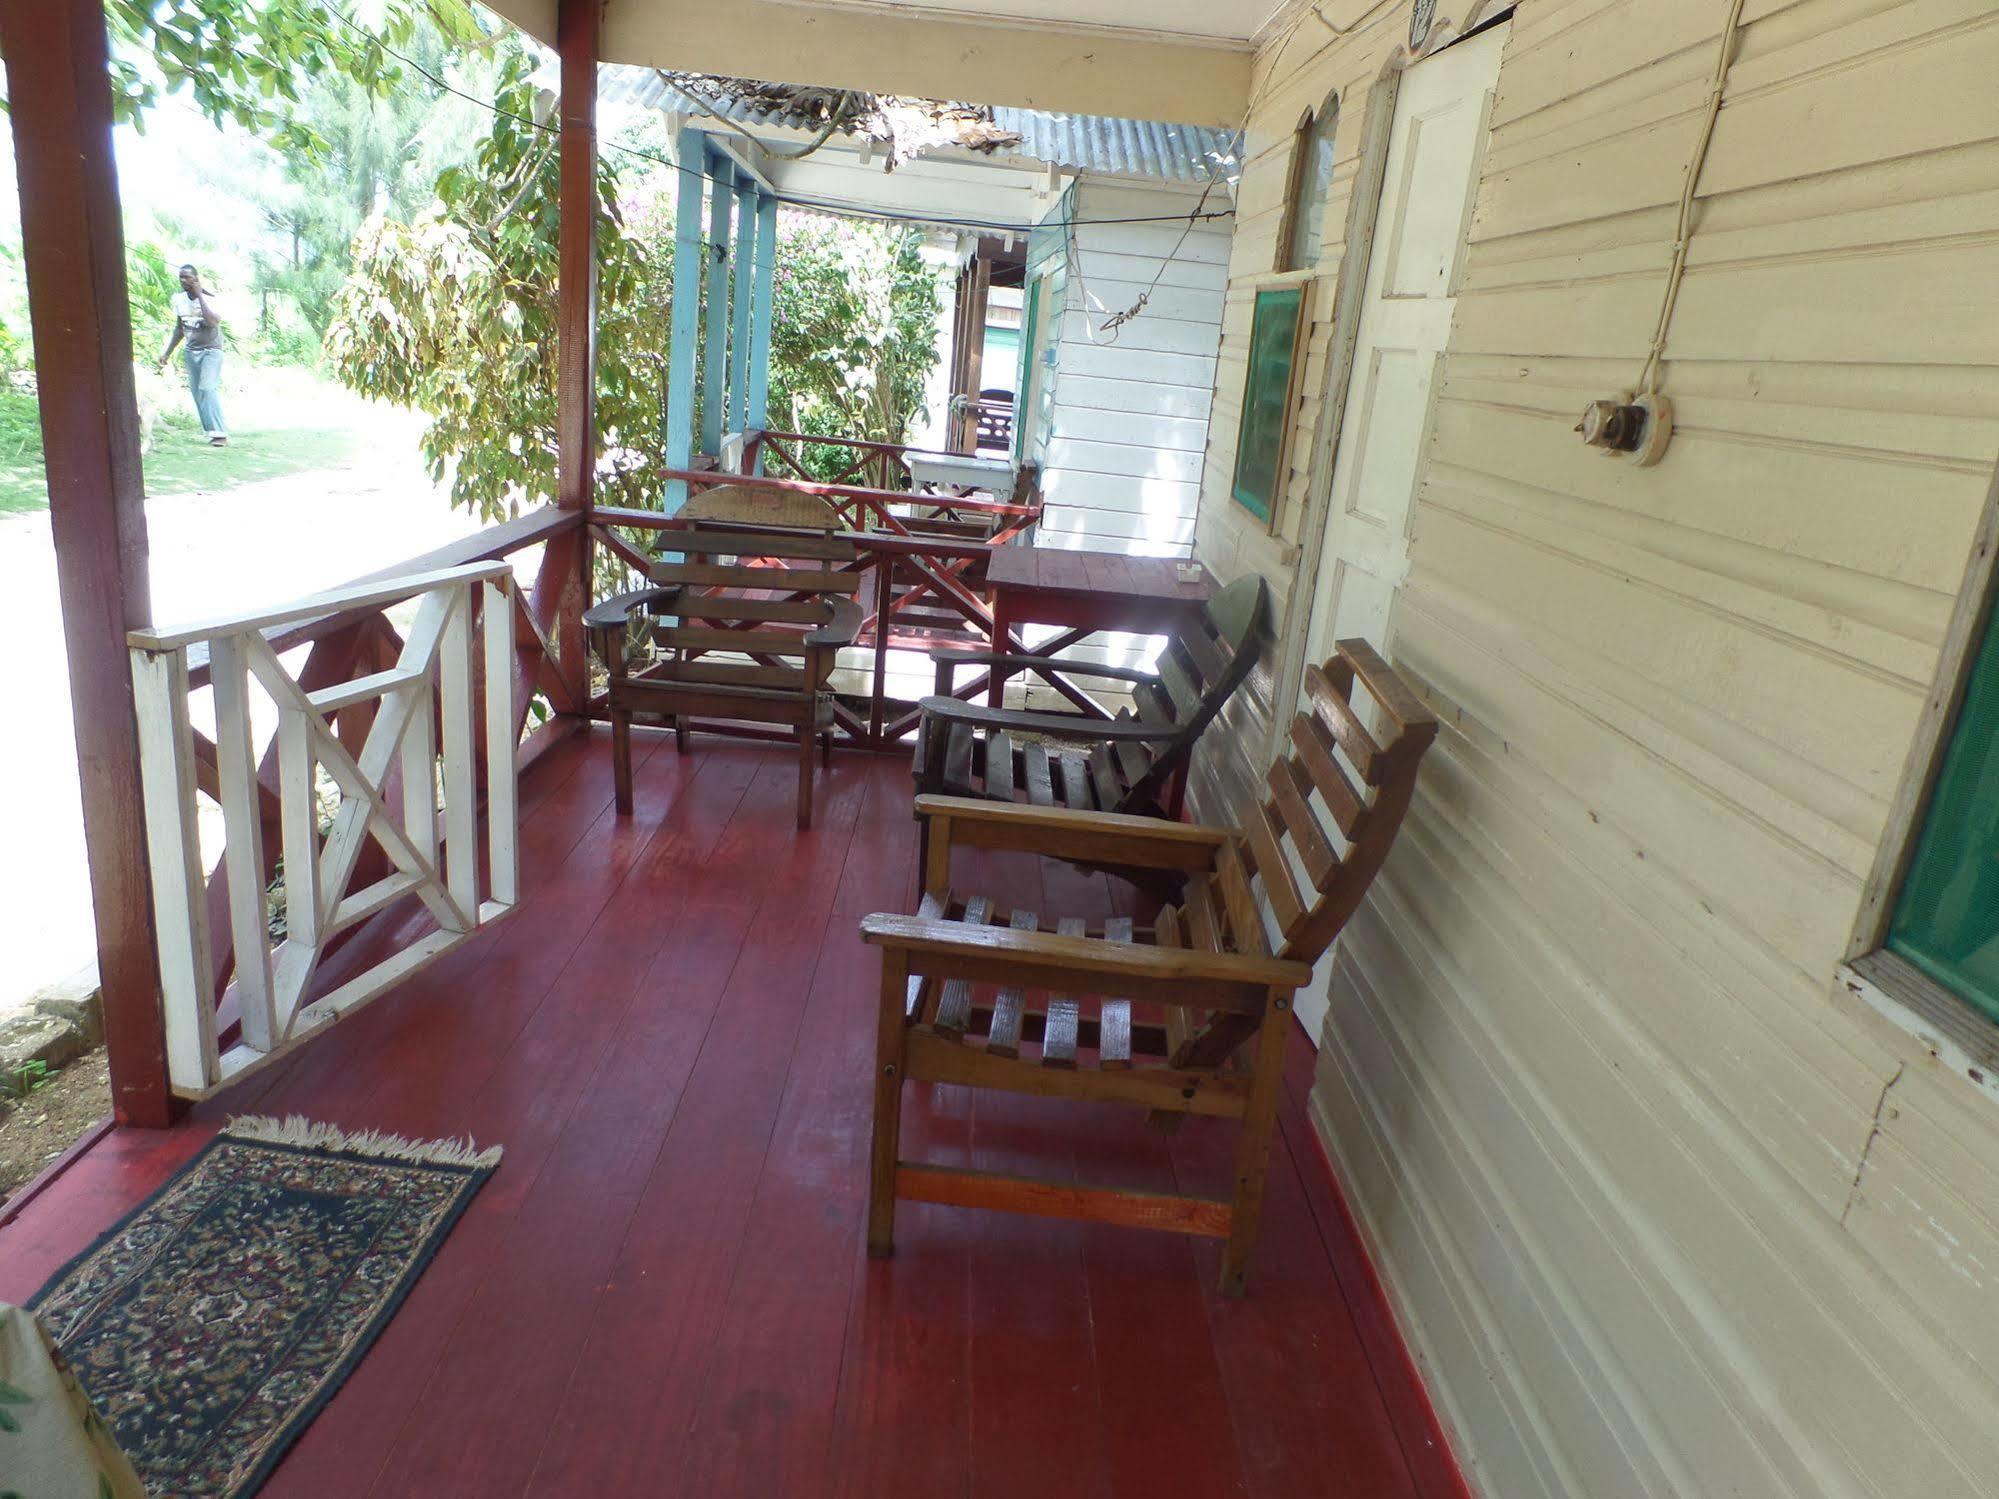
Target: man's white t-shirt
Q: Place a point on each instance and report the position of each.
(200, 335)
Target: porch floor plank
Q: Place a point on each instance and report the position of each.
(664, 1289)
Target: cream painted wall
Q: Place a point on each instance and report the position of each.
(1663, 1210)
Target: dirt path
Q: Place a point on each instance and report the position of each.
(259, 545)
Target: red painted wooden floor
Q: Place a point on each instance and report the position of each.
(663, 1290)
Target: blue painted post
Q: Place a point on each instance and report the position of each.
(760, 315)
(715, 340)
(689, 150)
(746, 271)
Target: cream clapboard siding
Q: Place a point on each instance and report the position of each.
(1662, 1210)
(1122, 471)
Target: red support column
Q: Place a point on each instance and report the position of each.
(579, 29)
(75, 251)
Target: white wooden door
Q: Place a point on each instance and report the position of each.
(1434, 153)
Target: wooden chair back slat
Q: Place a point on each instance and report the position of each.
(1368, 825)
(1181, 688)
(1104, 777)
(748, 503)
(1134, 760)
(1336, 712)
(1153, 706)
(1314, 744)
(1289, 786)
(1287, 902)
(1209, 656)
(727, 674)
(715, 543)
(691, 605)
(776, 579)
(750, 642)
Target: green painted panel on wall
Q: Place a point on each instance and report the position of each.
(1266, 403)
(1947, 916)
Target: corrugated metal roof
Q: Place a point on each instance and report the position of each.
(1132, 148)
(1083, 143)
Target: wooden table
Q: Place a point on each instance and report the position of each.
(1086, 592)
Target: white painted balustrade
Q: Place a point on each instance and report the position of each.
(431, 688)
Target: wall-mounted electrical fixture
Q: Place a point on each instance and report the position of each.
(1635, 427)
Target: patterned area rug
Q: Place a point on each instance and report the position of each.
(215, 1320)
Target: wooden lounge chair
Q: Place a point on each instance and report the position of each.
(753, 619)
(1134, 764)
(1262, 904)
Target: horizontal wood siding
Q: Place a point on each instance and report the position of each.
(1123, 468)
(1663, 1209)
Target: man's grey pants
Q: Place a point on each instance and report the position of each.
(204, 382)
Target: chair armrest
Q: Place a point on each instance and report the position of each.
(1055, 725)
(1087, 965)
(842, 629)
(617, 611)
(1053, 663)
(1097, 837)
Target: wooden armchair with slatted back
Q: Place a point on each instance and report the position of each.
(751, 619)
(1135, 762)
(989, 999)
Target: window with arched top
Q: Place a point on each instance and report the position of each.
(1311, 181)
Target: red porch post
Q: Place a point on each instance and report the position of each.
(75, 252)
(579, 29)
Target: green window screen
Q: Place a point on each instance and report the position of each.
(1947, 916)
(1266, 400)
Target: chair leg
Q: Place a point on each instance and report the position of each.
(680, 733)
(1253, 1149)
(621, 759)
(826, 749)
(805, 777)
(888, 1104)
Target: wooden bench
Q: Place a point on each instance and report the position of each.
(753, 604)
(1017, 1001)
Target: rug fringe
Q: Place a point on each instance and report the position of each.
(313, 1134)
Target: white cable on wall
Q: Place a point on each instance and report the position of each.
(1648, 379)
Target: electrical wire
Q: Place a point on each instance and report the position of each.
(1648, 378)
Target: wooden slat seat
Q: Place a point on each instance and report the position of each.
(1260, 904)
(750, 610)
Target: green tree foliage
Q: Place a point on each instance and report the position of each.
(243, 60)
(854, 331)
(383, 153)
(454, 314)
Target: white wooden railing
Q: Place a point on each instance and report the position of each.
(389, 793)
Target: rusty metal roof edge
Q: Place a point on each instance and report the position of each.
(1152, 149)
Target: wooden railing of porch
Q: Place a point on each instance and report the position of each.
(364, 703)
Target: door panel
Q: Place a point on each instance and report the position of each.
(1435, 150)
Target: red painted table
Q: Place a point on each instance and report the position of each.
(1087, 592)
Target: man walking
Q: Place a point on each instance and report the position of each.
(196, 320)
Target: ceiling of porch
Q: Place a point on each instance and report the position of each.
(1180, 60)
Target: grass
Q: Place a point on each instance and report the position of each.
(179, 461)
